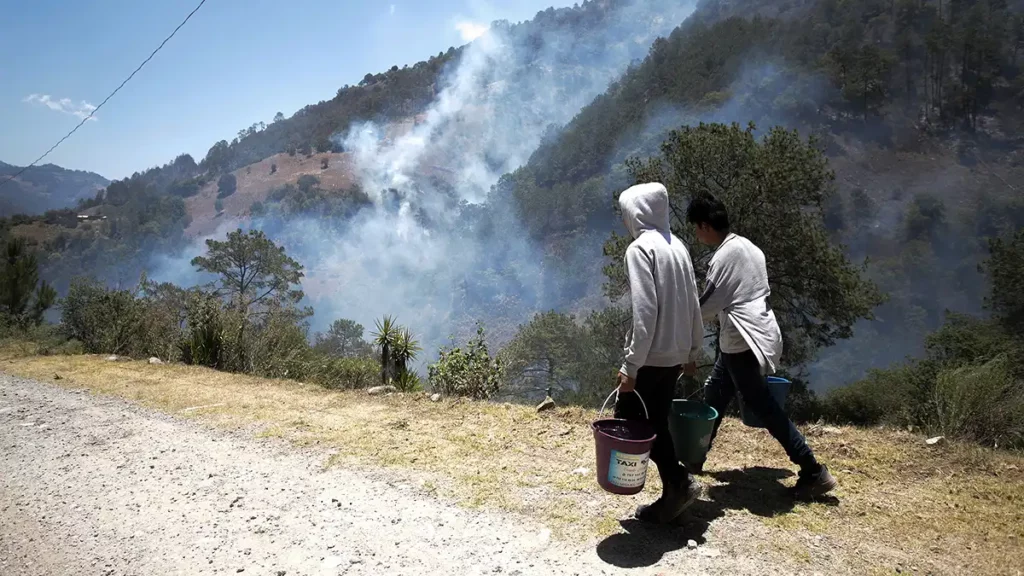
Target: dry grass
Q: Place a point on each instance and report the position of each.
(901, 505)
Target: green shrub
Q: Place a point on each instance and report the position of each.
(802, 404)
(203, 341)
(884, 397)
(983, 403)
(276, 347)
(471, 372)
(859, 404)
(104, 321)
(345, 373)
(226, 185)
(70, 348)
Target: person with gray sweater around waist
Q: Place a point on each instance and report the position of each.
(665, 337)
(750, 342)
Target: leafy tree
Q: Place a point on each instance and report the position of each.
(343, 339)
(184, 164)
(184, 188)
(273, 168)
(308, 182)
(104, 321)
(863, 75)
(164, 319)
(256, 279)
(278, 117)
(218, 159)
(574, 362)
(23, 298)
(324, 163)
(545, 355)
(775, 189)
(227, 185)
(323, 145)
(925, 218)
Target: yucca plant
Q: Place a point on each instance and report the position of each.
(404, 351)
(385, 339)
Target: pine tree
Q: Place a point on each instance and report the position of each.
(23, 298)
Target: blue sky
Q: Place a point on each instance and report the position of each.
(236, 62)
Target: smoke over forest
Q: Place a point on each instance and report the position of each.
(435, 248)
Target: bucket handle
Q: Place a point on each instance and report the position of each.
(615, 393)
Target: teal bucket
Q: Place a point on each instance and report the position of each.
(690, 424)
(779, 390)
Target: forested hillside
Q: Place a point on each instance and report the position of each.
(47, 187)
(917, 105)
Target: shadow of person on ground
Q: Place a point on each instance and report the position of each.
(643, 544)
(759, 490)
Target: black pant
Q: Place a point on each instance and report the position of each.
(742, 373)
(657, 388)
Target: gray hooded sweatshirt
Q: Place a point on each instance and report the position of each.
(667, 328)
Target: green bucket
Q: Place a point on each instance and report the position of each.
(690, 423)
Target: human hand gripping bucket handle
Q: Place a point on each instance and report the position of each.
(615, 393)
(623, 450)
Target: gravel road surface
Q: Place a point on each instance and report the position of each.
(98, 486)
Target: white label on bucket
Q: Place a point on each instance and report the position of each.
(628, 470)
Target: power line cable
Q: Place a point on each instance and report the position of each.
(116, 90)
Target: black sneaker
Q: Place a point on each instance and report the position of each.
(814, 484)
(671, 505)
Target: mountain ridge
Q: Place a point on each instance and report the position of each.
(45, 187)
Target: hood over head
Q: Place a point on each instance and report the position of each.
(645, 207)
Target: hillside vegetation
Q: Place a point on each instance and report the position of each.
(916, 108)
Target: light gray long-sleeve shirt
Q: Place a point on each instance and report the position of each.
(667, 328)
(738, 292)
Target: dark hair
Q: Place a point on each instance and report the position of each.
(706, 209)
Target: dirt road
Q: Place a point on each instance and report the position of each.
(97, 486)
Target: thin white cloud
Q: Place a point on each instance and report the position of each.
(470, 30)
(391, 10)
(64, 105)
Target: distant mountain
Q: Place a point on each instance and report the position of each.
(46, 187)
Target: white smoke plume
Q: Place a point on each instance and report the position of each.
(421, 252)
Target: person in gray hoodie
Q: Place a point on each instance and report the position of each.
(664, 340)
(750, 341)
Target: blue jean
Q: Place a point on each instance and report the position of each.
(741, 373)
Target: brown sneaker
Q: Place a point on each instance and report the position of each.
(811, 485)
(671, 505)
